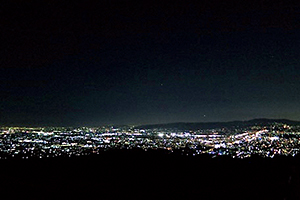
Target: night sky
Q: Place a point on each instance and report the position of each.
(120, 62)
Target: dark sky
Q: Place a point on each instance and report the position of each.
(122, 62)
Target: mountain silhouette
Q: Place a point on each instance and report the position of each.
(214, 125)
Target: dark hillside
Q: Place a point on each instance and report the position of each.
(137, 174)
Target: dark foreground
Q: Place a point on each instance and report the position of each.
(136, 174)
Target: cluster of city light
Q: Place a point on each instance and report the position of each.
(43, 142)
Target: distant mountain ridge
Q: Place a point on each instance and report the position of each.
(212, 125)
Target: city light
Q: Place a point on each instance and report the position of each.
(265, 141)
